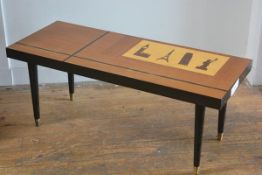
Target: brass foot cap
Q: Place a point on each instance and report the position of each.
(220, 136)
(71, 97)
(37, 122)
(196, 170)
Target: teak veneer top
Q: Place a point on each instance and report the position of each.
(104, 50)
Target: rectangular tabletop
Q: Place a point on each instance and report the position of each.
(174, 71)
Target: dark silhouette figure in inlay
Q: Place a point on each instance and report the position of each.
(141, 52)
(206, 63)
(186, 59)
(166, 58)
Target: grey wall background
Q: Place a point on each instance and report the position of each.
(5, 71)
(217, 25)
(254, 46)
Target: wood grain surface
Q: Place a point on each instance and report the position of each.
(111, 130)
(90, 48)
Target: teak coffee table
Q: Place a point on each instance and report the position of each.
(204, 78)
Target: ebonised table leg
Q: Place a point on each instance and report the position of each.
(71, 85)
(221, 122)
(33, 76)
(199, 122)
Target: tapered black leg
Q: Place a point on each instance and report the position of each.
(199, 122)
(71, 85)
(221, 122)
(33, 76)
